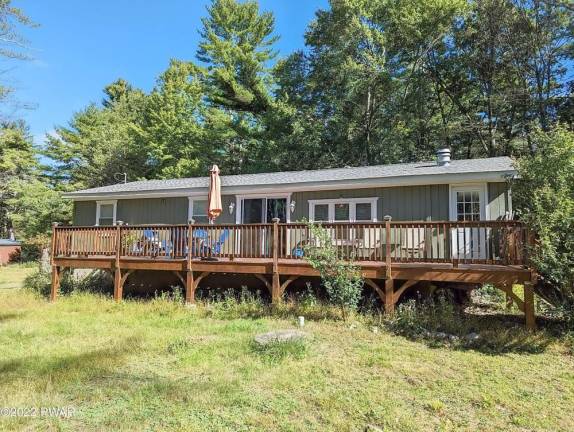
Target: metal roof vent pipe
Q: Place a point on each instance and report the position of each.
(443, 157)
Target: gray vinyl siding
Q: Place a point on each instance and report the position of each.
(138, 211)
(84, 213)
(417, 203)
(153, 211)
(498, 200)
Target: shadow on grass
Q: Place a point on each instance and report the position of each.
(493, 333)
(7, 316)
(62, 368)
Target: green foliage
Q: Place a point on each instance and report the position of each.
(17, 163)
(342, 278)
(100, 142)
(171, 127)
(13, 46)
(545, 194)
(236, 44)
(34, 206)
(97, 282)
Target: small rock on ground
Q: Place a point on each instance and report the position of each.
(279, 336)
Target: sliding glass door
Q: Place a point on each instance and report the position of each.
(260, 211)
(263, 210)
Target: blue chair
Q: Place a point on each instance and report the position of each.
(216, 246)
(298, 252)
(148, 234)
(167, 247)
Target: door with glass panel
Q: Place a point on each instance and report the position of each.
(468, 204)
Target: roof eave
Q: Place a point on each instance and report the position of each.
(411, 180)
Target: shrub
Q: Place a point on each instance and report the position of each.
(32, 247)
(544, 193)
(342, 278)
(40, 282)
(96, 282)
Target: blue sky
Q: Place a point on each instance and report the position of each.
(81, 46)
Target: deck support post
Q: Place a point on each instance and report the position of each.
(389, 296)
(118, 283)
(275, 289)
(529, 306)
(189, 288)
(190, 283)
(275, 282)
(118, 288)
(56, 271)
(389, 282)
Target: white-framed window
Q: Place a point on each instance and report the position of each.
(106, 212)
(198, 210)
(468, 202)
(343, 210)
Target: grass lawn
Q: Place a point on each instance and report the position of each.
(156, 365)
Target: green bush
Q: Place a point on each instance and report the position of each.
(96, 282)
(342, 278)
(41, 282)
(544, 194)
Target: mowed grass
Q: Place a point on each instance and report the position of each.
(157, 365)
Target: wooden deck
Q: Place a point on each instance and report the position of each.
(393, 256)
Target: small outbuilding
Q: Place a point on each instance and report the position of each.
(9, 251)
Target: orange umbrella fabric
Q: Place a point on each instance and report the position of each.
(214, 197)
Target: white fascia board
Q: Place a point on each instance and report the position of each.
(414, 180)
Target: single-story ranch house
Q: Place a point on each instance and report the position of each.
(439, 222)
(471, 190)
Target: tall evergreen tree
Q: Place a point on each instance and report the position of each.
(171, 131)
(237, 47)
(100, 142)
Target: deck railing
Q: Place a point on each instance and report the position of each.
(477, 242)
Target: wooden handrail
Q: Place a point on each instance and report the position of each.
(455, 242)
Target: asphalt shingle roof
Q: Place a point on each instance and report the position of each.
(485, 165)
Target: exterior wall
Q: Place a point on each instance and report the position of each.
(498, 200)
(148, 211)
(416, 203)
(153, 211)
(8, 253)
(84, 213)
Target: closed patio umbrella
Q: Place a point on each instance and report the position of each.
(214, 197)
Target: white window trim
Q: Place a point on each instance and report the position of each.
(352, 207)
(190, 205)
(483, 191)
(239, 204)
(98, 207)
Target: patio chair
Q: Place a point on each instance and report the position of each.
(216, 246)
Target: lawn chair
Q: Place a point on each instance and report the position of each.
(215, 247)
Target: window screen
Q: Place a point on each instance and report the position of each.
(468, 206)
(106, 214)
(200, 211)
(321, 212)
(363, 212)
